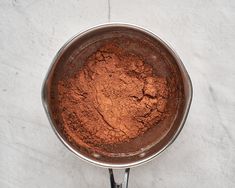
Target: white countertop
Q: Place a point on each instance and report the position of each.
(203, 34)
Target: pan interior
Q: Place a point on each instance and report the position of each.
(155, 53)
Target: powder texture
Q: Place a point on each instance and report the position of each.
(113, 98)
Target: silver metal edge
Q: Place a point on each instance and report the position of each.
(180, 64)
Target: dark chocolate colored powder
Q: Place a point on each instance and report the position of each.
(113, 98)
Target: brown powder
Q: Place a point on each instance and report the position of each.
(113, 98)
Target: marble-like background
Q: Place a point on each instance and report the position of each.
(203, 34)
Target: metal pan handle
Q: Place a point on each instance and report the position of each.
(124, 184)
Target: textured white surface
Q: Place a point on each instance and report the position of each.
(203, 34)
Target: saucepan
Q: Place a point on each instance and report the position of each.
(150, 144)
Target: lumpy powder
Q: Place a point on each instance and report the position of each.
(113, 98)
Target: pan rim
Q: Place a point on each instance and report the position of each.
(179, 64)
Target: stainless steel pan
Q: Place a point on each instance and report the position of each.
(93, 38)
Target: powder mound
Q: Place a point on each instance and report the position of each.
(113, 98)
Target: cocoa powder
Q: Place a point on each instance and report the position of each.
(113, 98)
